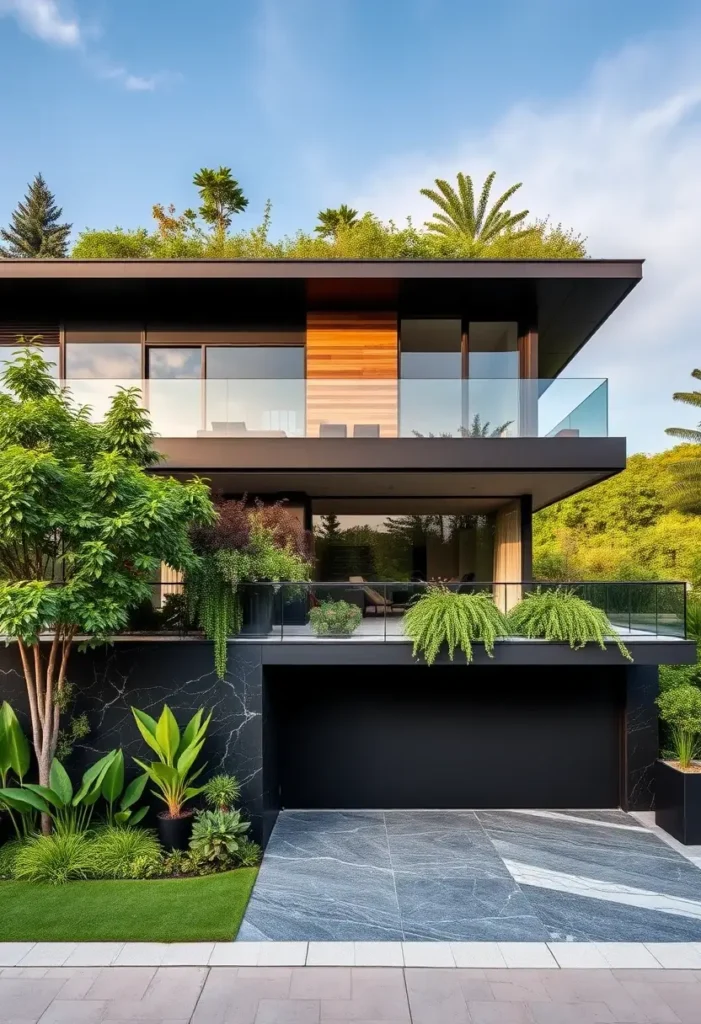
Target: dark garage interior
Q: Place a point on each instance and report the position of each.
(443, 737)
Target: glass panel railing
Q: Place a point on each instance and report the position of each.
(368, 610)
(337, 408)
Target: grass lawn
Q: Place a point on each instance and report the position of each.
(158, 910)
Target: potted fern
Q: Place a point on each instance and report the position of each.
(561, 616)
(678, 779)
(441, 617)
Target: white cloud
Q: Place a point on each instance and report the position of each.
(619, 161)
(43, 19)
(46, 20)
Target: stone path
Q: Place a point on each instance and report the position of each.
(312, 995)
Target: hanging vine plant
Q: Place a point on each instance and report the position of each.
(248, 544)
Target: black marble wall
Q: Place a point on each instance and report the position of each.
(242, 738)
(108, 681)
(640, 741)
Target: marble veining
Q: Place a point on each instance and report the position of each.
(472, 876)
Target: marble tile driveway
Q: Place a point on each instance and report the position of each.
(504, 876)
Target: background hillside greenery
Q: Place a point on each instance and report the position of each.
(625, 528)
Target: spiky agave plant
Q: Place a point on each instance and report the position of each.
(460, 620)
(562, 616)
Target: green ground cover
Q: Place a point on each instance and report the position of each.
(208, 908)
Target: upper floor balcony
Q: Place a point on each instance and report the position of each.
(205, 407)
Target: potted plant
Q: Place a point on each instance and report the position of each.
(243, 559)
(678, 780)
(561, 616)
(441, 616)
(172, 773)
(335, 618)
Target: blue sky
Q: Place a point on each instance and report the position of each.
(593, 105)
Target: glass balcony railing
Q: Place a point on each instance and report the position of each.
(285, 611)
(335, 408)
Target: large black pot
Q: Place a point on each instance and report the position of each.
(257, 606)
(174, 833)
(678, 803)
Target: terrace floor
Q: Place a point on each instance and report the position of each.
(503, 876)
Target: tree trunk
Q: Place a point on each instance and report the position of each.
(44, 684)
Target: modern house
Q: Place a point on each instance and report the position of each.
(416, 415)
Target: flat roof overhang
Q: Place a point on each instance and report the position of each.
(570, 299)
(496, 468)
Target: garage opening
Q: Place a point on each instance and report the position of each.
(443, 737)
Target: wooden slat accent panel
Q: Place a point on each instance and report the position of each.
(9, 332)
(352, 371)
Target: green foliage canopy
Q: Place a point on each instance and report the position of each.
(625, 528)
(83, 529)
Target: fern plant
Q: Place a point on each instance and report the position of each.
(459, 620)
(561, 616)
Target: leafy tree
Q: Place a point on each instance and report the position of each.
(221, 196)
(35, 231)
(331, 221)
(461, 216)
(83, 529)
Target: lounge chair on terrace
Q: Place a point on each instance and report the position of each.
(375, 600)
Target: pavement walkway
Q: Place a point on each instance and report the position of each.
(312, 995)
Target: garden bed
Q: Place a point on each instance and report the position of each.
(208, 908)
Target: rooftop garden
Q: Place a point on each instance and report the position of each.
(467, 222)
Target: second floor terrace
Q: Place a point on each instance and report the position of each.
(185, 406)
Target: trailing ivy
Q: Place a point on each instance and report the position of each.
(248, 544)
(561, 616)
(441, 616)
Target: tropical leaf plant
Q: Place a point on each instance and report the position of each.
(441, 616)
(460, 216)
(172, 773)
(14, 759)
(71, 811)
(561, 616)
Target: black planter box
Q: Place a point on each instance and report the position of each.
(257, 601)
(678, 803)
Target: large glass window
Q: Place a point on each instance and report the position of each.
(493, 349)
(255, 391)
(491, 399)
(256, 362)
(430, 402)
(50, 354)
(451, 548)
(103, 360)
(94, 371)
(175, 390)
(430, 349)
(174, 363)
